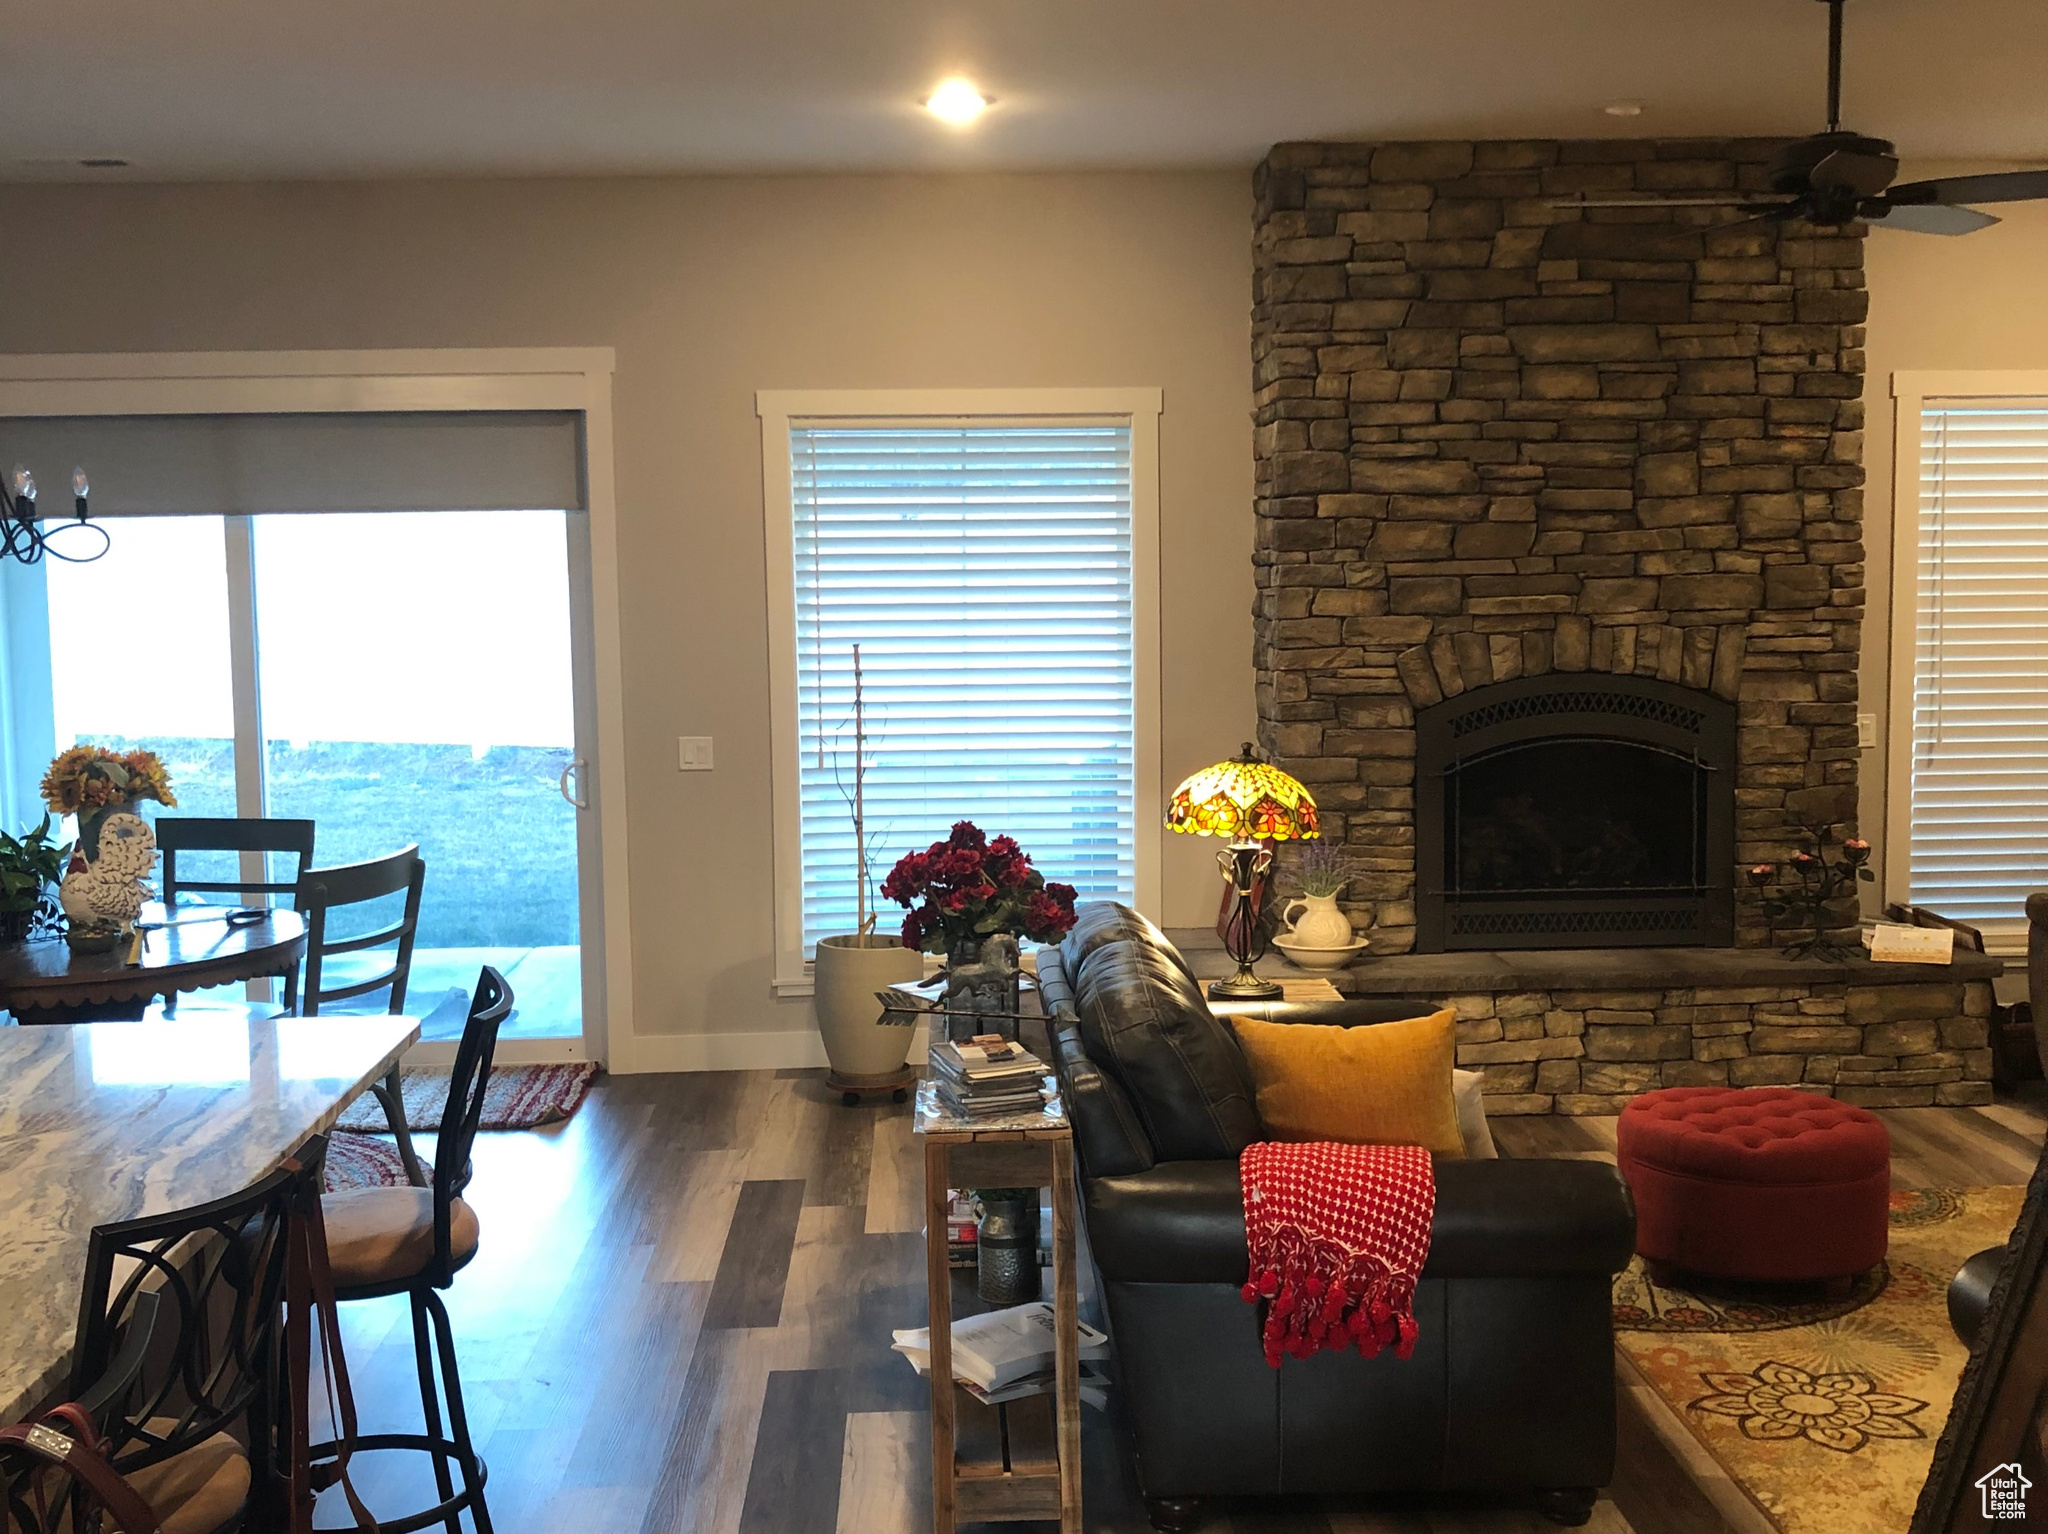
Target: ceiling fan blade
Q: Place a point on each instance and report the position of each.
(1648, 202)
(1864, 174)
(1927, 217)
(2001, 186)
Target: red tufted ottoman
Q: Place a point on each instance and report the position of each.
(1757, 1183)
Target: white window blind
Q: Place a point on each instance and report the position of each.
(1979, 833)
(985, 570)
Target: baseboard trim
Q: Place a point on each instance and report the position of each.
(788, 1050)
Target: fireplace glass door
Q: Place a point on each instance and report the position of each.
(1598, 817)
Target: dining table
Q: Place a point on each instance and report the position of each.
(108, 1121)
(182, 948)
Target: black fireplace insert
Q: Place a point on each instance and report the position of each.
(1575, 811)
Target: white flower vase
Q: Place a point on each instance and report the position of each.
(866, 1053)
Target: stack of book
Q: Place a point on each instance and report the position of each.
(987, 1077)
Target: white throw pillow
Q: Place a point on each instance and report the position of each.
(1472, 1116)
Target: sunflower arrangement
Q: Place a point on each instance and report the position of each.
(88, 779)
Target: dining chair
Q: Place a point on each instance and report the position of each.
(195, 833)
(198, 833)
(321, 892)
(202, 1426)
(413, 1241)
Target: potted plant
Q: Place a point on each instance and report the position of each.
(29, 865)
(865, 1045)
(970, 898)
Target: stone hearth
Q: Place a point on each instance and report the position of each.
(1582, 1031)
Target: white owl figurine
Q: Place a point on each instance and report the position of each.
(109, 891)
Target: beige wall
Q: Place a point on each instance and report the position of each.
(1973, 302)
(711, 289)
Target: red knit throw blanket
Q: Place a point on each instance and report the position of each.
(1337, 1237)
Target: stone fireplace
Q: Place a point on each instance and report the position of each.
(1567, 812)
(1560, 596)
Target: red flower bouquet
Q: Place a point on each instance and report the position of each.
(969, 887)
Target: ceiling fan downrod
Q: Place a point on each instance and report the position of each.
(1834, 65)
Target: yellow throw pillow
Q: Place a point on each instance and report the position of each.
(1376, 1084)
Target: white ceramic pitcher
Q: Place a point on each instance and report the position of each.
(1324, 925)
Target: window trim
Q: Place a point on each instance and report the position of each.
(1137, 407)
(1910, 392)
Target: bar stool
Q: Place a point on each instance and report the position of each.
(412, 1241)
(179, 1363)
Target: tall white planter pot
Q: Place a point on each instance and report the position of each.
(866, 1055)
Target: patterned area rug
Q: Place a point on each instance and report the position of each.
(518, 1097)
(1824, 1410)
(364, 1161)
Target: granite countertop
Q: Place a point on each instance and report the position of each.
(1587, 969)
(107, 1121)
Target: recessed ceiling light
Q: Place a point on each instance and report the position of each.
(1623, 109)
(956, 101)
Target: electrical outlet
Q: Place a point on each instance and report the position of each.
(693, 753)
(1866, 730)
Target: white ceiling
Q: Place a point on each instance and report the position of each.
(211, 89)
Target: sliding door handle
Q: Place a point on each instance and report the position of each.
(576, 766)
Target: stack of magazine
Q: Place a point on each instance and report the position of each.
(1008, 1354)
(987, 1077)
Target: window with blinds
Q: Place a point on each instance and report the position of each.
(985, 571)
(1979, 827)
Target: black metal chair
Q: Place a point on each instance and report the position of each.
(322, 891)
(194, 833)
(413, 1241)
(29, 1503)
(195, 1415)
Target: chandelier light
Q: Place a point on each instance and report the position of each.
(22, 535)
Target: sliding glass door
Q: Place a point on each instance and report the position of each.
(395, 677)
(416, 686)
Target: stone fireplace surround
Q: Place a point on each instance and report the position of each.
(1498, 439)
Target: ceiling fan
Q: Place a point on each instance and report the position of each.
(1834, 178)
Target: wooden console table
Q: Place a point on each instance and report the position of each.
(1019, 1460)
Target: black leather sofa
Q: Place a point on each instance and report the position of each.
(1510, 1391)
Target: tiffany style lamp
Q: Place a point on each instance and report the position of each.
(1253, 803)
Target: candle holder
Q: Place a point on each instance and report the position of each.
(1822, 880)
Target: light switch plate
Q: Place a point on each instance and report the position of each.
(1866, 730)
(693, 753)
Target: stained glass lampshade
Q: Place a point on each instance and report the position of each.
(1244, 799)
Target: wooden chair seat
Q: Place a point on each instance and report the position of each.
(386, 1235)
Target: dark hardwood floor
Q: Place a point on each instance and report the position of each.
(679, 1319)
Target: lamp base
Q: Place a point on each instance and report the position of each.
(1245, 987)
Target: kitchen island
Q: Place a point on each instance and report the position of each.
(102, 1122)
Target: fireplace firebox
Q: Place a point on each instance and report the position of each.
(1575, 811)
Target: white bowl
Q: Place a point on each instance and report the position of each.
(1308, 956)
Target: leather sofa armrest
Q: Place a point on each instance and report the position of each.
(1351, 1012)
(1183, 1221)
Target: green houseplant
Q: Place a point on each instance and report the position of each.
(29, 865)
